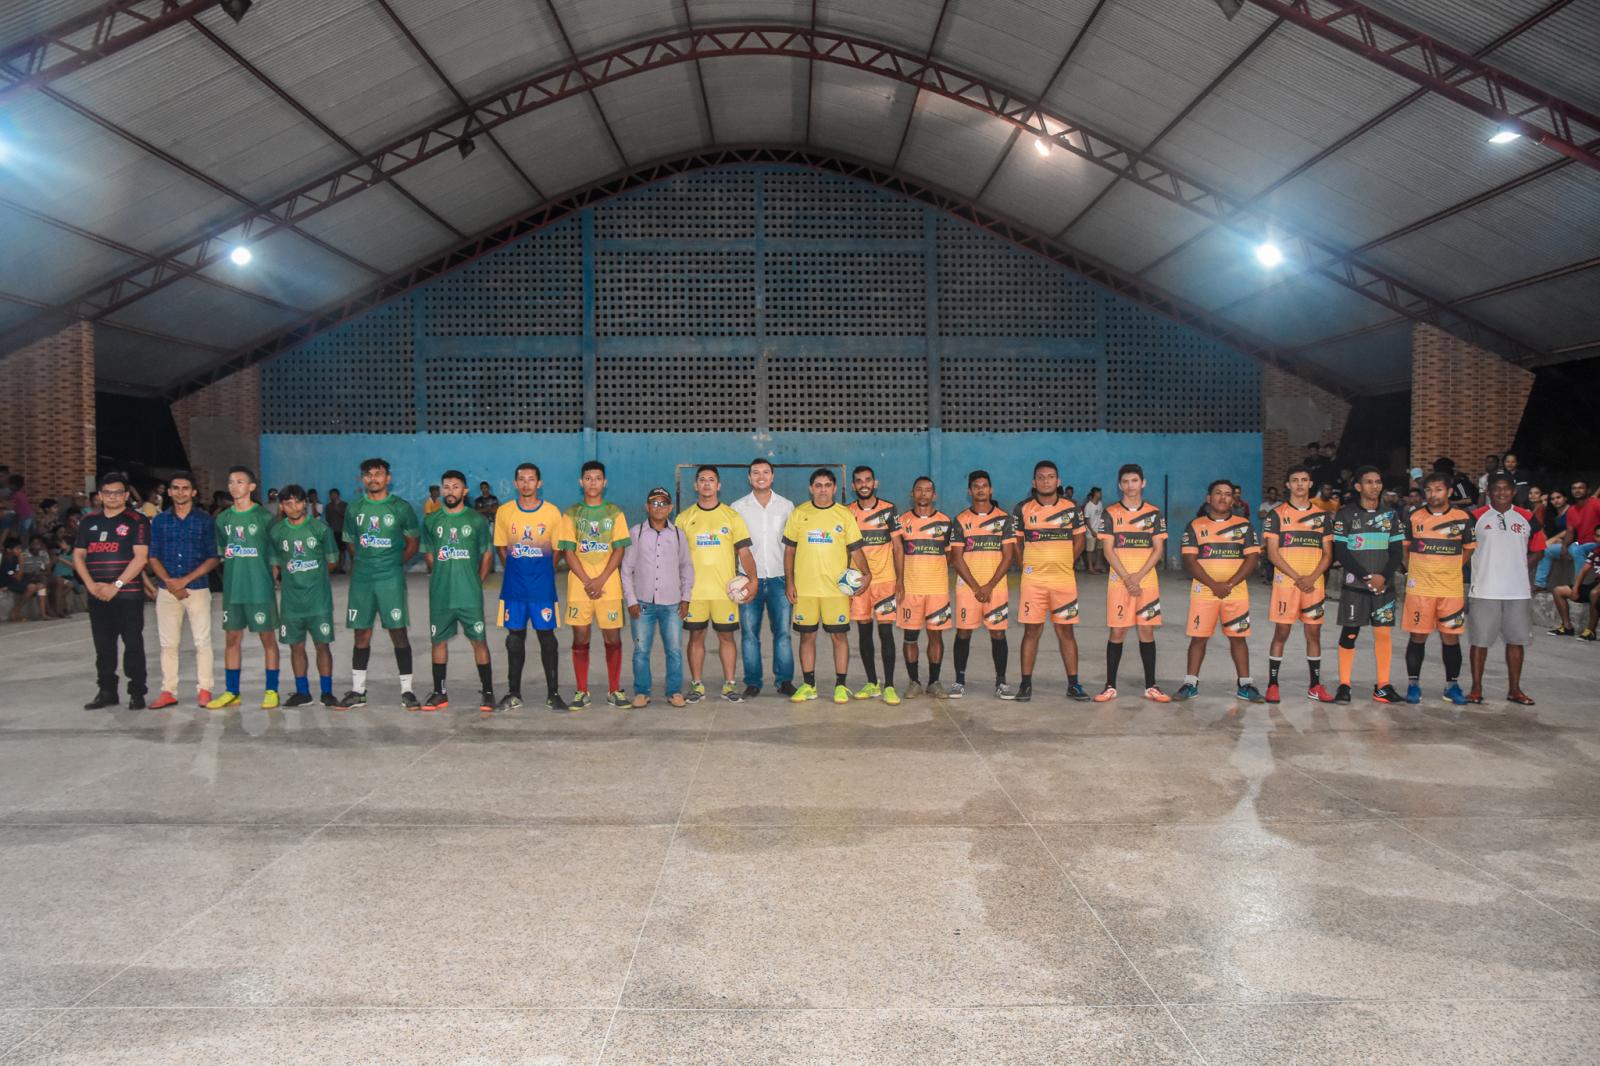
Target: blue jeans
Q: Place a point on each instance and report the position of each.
(1579, 553)
(653, 616)
(771, 598)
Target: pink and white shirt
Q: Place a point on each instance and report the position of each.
(1500, 563)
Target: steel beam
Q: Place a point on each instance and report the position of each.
(884, 60)
(911, 112)
(515, 229)
(1509, 102)
(79, 41)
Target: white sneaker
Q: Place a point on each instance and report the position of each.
(1003, 690)
(956, 691)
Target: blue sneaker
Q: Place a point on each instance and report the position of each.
(1454, 694)
(1413, 693)
(1186, 692)
(1250, 694)
(1076, 692)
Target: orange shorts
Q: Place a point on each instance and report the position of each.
(926, 610)
(1289, 605)
(1124, 609)
(993, 616)
(1038, 604)
(1205, 610)
(875, 604)
(1425, 614)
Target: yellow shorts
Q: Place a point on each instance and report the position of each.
(1039, 604)
(720, 615)
(1289, 605)
(607, 614)
(926, 610)
(1425, 614)
(1205, 610)
(874, 605)
(1124, 609)
(830, 612)
(993, 616)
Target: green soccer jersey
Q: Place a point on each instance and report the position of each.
(243, 543)
(376, 531)
(302, 553)
(456, 543)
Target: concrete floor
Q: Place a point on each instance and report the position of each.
(944, 882)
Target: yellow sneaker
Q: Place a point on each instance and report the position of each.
(269, 700)
(227, 699)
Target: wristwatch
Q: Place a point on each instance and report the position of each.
(118, 582)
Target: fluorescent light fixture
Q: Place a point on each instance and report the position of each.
(1040, 146)
(1504, 135)
(240, 256)
(1269, 255)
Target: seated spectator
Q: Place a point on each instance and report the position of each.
(1327, 498)
(49, 516)
(1577, 524)
(38, 566)
(1585, 590)
(13, 581)
(62, 553)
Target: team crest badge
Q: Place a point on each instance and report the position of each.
(261, 617)
(394, 613)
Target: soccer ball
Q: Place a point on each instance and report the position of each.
(739, 589)
(851, 581)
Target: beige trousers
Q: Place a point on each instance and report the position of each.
(170, 613)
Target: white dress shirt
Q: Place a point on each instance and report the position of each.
(766, 531)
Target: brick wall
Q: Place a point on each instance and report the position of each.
(1465, 402)
(221, 427)
(47, 428)
(1294, 411)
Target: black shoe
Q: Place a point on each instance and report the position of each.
(752, 691)
(786, 689)
(135, 703)
(408, 701)
(1024, 692)
(556, 703)
(436, 701)
(1342, 694)
(299, 699)
(1387, 694)
(101, 701)
(486, 701)
(511, 701)
(328, 700)
(351, 699)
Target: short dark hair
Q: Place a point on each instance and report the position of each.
(527, 466)
(1363, 471)
(448, 474)
(375, 463)
(974, 475)
(112, 477)
(863, 469)
(12, 542)
(920, 478)
(1445, 463)
(291, 492)
(759, 461)
(822, 472)
(1129, 468)
(1504, 478)
(593, 464)
(246, 471)
(434, 488)
(47, 503)
(1438, 477)
(181, 475)
(1220, 481)
(1044, 464)
(703, 467)
(1298, 468)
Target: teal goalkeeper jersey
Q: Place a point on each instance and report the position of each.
(302, 553)
(243, 544)
(456, 543)
(376, 531)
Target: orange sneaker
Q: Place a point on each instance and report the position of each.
(165, 699)
(1106, 695)
(1155, 695)
(204, 697)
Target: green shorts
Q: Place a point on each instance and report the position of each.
(319, 627)
(256, 617)
(384, 604)
(443, 621)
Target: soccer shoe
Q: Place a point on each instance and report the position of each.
(136, 703)
(1587, 634)
(1387, 694)
(1105, 695)
(1023, 694)
(752, 691)
(956, 691)
(803, 693)
(619, 698)
(1562, 631)
(1155, 695)
(486, 701)
(408, 701)
(1453, 694)
(936, 690)
(697, 691)
(269, 700)
(510, 702)
(299, 699)
(731, 693)
(1077, 692)
(227, 699)
(1186, 691)
(163, 700)
(554, 702)
(1318, 693)
(1273, 695)
(203, 698)
(1341, 694)
(436, 701)
(351, 699)
(1003, 691)
(890, 696)
(329, 700)
(1413, 693)
(1249, 694)
(841, 694)
(787, 689)
(580, 699)
(912, 691)
(869, 691)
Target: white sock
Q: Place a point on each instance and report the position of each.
(405, 682)
(1243, 681)
(358, 680)
(1191, 679)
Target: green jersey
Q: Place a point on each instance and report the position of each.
(243, 543)
(456, 543)
(302, 553)
(376, 531)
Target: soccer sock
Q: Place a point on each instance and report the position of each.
(1383, 651)
(999, 651)
(232, 680)
(438, 676)
(1072, 679)
(914, 671)
(810, 677)
(1274, 664)
(516, 656)
(963, 649)
(1027, 680)
(1113, 660)
(1347, 652)
(402, 662)
(1246, 680)
(486, 676)
(1415, 651)
(1314, 668)
(1192, 679)
(613, 666)
(326, 681)
(869, 651)
(358, 668)
(1147, 656)
(1452, 662)
(838, 679)
(933, 671)
(886, 650)
(272, 680)
(358, 680)
(302, 684)
(580, 666)
(549, 658)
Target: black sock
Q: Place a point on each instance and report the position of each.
(999, 650)
(516, 656)
(1072, 680)
(402, 657)
(1415, 650)
(869, 653)
(438, 676)
(963, 649)
(1147, 658)
(810, 677)
(486, 676)
(549, 657)
(1452, 662)
(1113, 660)
(360, 657)
(886, 649)
(933, 671)
(1273, 666)
(1027, 680)
(838, 679)
(1314, 668)
(914, 671)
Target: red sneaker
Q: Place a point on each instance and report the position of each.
(166, 699)
(1320, 694)
(204, 697)
(1272, 693)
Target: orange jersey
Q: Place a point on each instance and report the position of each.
(1301, 535)
(1133, 534)
(877, 533)
(1221, 545)
(925, 540)
(1046, 532)
(982, 538)
(1438, 545)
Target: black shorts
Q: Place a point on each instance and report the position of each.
(1359, 608)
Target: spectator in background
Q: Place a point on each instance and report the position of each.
(313, 505)
(49, 517)
(432, 503)
(486, 503)
(1536, 502)
(154, 501)
(1491, 467)
(1327, 498)
(1269, 500)
(1463, 493)
(220, 501)
(1093, 507)
(69, 522)
(1500, 606)
(1414, 499)
(1582, 519)
(1067, 492)
(22, 513)
(13, 581)
(333, 516)
(272, 504)
(39, 563)
(1241, 506)
(1511, 467)
(62, 553)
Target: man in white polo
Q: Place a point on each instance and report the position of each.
(1500, 602)
(765, 513)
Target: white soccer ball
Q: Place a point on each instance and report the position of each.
(739, 589)
(851, 581)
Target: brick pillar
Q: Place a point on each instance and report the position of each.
(221, 427)
(1465, 402)
(47, 428)
(1294, 411)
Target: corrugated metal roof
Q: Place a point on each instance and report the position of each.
(561, 146)
(1046, 192)
(850, 109)
(195, 311)
(595, 25)
(290, 268)
(123, 359)
(472, 193)
(655, 113)
(1216, 270)
(907, 23)
(20, 20)
(1374, 362)
(1560, 55)
(1133, 225)
(44, 261)
(950, 144)
(1018, 43)
(1306, 308)
(1467, 26)
(713, 12)
(380, 227)
(1565, 309)
(754, 99)
(484, 44)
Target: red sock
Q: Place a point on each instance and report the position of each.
(580, 666)
(614, 666)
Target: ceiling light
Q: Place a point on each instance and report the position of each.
(1504, 135)
(467, 147)
(1230, 8)
(1040, 146)
(236, 8)
(240, 256)
(1269, 255)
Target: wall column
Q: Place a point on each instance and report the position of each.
(47, 412)
(1465, 402)
(221, 427)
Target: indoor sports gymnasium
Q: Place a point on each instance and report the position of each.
(1086, 505)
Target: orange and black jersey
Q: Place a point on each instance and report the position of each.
(1046, 531)
(1438, 545)
(1220, 544)
(1302, 534)
(1133, 533)
(878, 526)
(983, 537)
(925, 540)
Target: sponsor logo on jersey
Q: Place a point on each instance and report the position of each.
(590, 546)
(240, 551)
(369, 541)
(304, 566)
(708, 540)
(998, 614)
(1149, 611)
(939, 616)
(1065, 612)
(818, 536)
(526, 551)
(448, 554)
(103, 547)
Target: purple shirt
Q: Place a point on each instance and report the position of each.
(657, 567)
